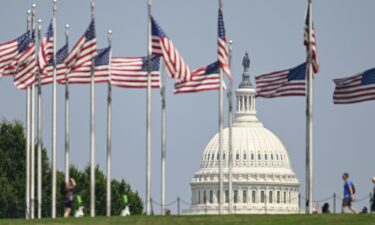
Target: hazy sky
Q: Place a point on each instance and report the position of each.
(270, 30)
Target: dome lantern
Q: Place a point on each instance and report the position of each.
(245, 110)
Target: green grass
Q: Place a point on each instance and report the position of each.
(208, 220)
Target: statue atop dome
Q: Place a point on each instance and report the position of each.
(246, 83)
(246, 62)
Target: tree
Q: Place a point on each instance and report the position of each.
(12, 180)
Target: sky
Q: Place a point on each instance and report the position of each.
(271, 31)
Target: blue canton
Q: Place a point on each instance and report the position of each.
(297, 73)
(23, 42)
(155, 63)
(368, 77)
(213, 68)
(221, 29)
(102, 58)
(90, 32)
(156, 29)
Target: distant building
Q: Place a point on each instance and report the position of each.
(263, 179)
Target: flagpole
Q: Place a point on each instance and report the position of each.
(27, 127)
(32, 157)
(39, 130)
(53, 212)
(148, 116)
(67, 115)
(92, 130)
(309, 124)
(163, 138)
(221, 118)
(230, 124)
(109, 128)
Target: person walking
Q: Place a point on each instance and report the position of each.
(349, 192)
(373, 197)
(67, 195)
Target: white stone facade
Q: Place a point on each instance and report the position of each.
(263, 179)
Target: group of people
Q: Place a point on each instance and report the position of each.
(67, 189)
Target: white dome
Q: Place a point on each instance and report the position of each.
(263, 179)
(255, 149)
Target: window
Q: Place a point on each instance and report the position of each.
(237, 156)
(244, 156)
(262, 197)
(199, 197)
(271, 156)
(270, 197)
(244, 196)
(290, 198)
(252, 156)
(224, 156)
(278, 197)
(208, 156)
(204, 197)
(259, 157)
(281, 157)
(253, 196)
(211, 196)
(218, 157)
(277, 157)
(265, 156)
(213, 157)
(235, 198)
(218, 196)
(284, 197)
(226, 196)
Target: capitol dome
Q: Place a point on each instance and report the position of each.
(262, 175)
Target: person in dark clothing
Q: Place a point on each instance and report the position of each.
(67, 195)
(325, 208)
(373, 197)
(348, 194)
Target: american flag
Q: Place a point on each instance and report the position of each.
(203, 79)
(84, 50)
(223, 52)
(45, 53)
(163, 46)
(9, 52)
(82, 74)
(131, 72)
(26, 66)
(357, 88)
(315, 62)
(61, 69)
(291, 82)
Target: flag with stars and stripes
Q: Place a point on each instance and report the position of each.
(223, 51)
(205, 78)
(131, 72)
(82, 74)
(357, 88)
(84, 50)
(26, 66)
(61, 69)
(163, 46)
(315, 62)
(45, 53)
(9, 51)
(290, 82)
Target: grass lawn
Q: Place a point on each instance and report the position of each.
(207, 220)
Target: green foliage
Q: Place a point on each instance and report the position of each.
(12, 180)
(12, 170)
